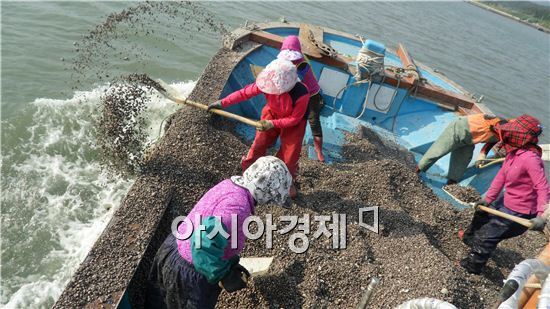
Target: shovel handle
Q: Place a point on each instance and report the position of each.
(171, 94)
(501, 214)
(488, 162)
(219, 112)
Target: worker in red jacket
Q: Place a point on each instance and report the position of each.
(526, 193)
(284, 115)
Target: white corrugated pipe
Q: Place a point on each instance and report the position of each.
(426, 303)
(544, 298)
(520, 274)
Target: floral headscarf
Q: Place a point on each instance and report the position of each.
(278, 77)
(268, 180)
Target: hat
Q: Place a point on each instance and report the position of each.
(291, 49)
(268, 180)
(290, 55)
(291, 42)
(278, 77)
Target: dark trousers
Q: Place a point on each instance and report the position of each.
(316, 104)
(487, 231)
(174, 283)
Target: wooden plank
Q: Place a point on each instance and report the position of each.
(442, 96)
(306, 44)
(433, 92)
(276, 41)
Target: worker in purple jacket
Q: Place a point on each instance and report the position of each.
(190, 269)
(292, 51)
(526, 193)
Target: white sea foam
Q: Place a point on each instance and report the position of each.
(55, 199)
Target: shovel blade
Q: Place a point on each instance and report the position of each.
(167, 90)
(256, 266)
(457, 199)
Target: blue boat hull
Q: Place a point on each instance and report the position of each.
(412, 122)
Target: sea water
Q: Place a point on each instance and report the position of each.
(56, 199)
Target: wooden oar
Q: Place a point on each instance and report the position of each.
(172, 94)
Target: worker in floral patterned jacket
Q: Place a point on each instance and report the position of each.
(199, 259)
(284, 115)
(292, 51)
(526, 193)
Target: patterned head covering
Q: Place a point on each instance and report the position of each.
(291, 49)
(523, 133)
(268, 180)
(278, 77)
(290, 55)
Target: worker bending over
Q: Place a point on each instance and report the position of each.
(187, 275)
(526, 193)
(292, 51)
(284, 115)
(459, 139)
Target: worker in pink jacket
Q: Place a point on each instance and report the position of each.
(190, 269)
(526, 193)
(284, 115)
(292, 51)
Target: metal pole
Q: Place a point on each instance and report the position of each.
(368, 293)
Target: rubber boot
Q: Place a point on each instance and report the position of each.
(451, 182)
(293, 192)
(318, 145)
(470, 266)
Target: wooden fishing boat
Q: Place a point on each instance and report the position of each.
(408, 103)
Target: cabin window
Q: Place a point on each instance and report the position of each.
(379, 98)
(332, 81)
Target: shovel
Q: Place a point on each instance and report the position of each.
(488, 162)
(495, 212)
(172, 94)
(504, 215)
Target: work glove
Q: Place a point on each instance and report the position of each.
(266, 125)
(538, 224)
(216, 105)
(236, 279)
(480, 158)
(287, 203)
(481, 202)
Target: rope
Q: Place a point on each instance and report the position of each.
(343, 88)
(415, 87)
(368, 63)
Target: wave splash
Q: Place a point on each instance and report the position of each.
(56, 198)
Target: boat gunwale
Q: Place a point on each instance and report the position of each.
(240, 35)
